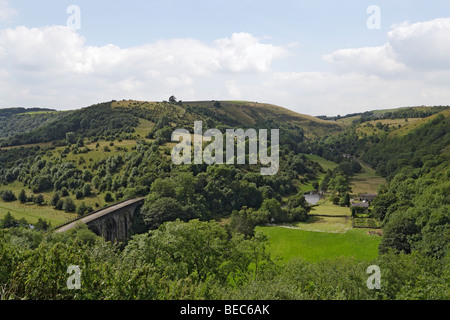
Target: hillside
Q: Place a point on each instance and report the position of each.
(18, 120)
(111, 117)
(100, 149)
(414, 158)
(221, 231)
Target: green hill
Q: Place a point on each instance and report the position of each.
(197, 236)
(108, 119)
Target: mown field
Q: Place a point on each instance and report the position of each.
(286, 243)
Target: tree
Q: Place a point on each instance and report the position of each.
(398, 232)
(339, 184)
(345, 200)
(68, 205)
(42, 225)
(8, 195)
(39, 199)
(108, 197)
(87, 175)
(172, 99)
(59, 204)
(381, 205)
(41, 183)
(272, 209)
(23, 196)
(64, 192)
(82, 208)
(8, 221)
(70, 137)
(55, 199)
(164, 134)
(162, 210)
(245, 220)
(79, 194)
(87, 190)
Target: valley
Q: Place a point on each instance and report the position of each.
(96, 156)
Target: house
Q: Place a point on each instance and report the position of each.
(367, 196)
(359, 207)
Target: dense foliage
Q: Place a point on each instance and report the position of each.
(98, 120)
(198, 260)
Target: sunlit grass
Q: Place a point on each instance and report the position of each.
(287, 243)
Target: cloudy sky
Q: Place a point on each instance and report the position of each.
(322, 57)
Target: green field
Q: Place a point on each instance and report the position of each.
(326, 207)
(32, 212)
(287, 243)
(367, 181)
(324, 163)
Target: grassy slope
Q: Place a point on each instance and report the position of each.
(411, 126)
(367, 181)
(247, 113)
(32, 212)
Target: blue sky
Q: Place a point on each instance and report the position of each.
(314, 57)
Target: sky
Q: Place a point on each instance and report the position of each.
(322, 57)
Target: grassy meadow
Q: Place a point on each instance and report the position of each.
(286, 243)
(367, 181)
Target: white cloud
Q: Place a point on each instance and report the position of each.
(54, 67)
(55, 62)
(233, 90)
(6, 12)
(244, 53)
(369, 60)
(330, 93)
(424, 45)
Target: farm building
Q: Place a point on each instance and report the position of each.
(360, 207)
(367, 196)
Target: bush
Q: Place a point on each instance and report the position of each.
(39, 199)
(68, 205)
(335, 200)
(108, 197)
(8, 195)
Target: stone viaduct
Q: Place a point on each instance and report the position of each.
(112, 223)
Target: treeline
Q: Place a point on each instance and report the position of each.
(403, 113)
(7, 112)
(400, 113)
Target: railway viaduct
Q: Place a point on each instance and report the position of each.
(112, 223)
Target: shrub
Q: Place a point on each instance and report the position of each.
(8, 195)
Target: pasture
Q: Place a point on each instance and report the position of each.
(287, 242)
